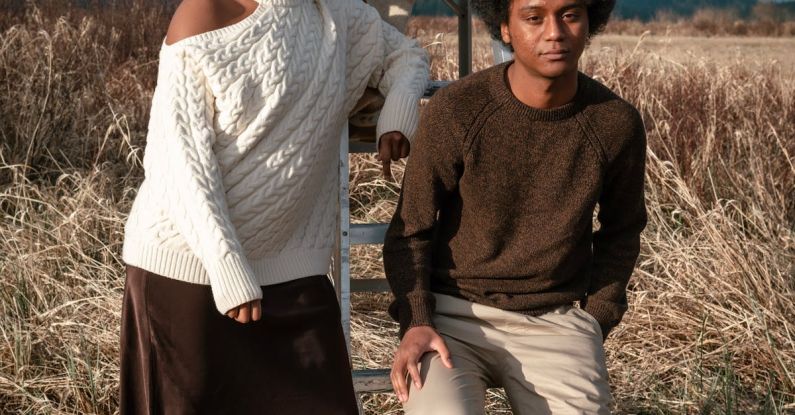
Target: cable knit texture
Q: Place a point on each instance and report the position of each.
(242, 148)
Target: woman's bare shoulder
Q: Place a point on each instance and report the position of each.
(194, 17)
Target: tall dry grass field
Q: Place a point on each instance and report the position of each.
(711, 324)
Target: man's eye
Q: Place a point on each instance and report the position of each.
(572, 17)
(533, 19)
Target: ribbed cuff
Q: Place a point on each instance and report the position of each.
(401, 112)
(608, 314)
(413, 311)
(233, 282)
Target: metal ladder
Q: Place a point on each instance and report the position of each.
(377, 380)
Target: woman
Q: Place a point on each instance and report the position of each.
(226, 307)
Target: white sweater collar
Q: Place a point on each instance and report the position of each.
(236, 27)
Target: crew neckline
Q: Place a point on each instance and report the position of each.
(503, 90)
(262, 5)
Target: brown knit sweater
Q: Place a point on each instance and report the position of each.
(498, 200)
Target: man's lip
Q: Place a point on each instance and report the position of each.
(556, 55)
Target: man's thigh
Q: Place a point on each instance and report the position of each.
(457, 391)
(562, 371)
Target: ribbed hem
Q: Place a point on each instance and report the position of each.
(501, 88)
(401, 112)
(183, 266)
(232, 282)
(413, 310)
(607, 314)
(229, 287)
(291, 264)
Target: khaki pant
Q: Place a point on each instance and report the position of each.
(550, 364)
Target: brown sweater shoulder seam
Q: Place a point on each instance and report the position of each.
(478, 123)
(593, 138)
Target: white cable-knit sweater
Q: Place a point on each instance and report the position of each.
(241, 159)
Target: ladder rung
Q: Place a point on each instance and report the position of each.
(368, 233)
(369, 285)
(434, 86)
(372, 380)
(361, 147)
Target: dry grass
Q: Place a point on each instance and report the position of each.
(753, 53)
(712, 314)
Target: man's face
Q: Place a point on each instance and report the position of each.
(548, 36)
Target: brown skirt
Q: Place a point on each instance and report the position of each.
(179, 355)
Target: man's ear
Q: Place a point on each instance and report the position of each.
(505, 33)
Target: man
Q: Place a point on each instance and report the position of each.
(492, 244)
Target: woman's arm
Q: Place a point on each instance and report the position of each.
(381, 57)
(181, 161)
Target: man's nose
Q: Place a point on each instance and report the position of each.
(554, 29)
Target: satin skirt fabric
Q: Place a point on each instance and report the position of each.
(180, 356)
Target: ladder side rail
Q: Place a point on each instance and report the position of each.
(501, 52)
(464, 13)
(342, 266)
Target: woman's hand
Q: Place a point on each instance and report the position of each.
(416, 342)
(250, 311)
(393, 146)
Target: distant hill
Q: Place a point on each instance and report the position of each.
(638, 9)
(648, 9)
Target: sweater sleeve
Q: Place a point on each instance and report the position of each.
(616, 245)
(431, 178)
(395, 64)
(186, 167)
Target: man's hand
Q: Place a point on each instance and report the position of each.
(251, 311)
(416, 342)
(392, 147)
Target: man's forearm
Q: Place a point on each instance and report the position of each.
(407, 264)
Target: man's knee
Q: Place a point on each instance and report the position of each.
(457, 391)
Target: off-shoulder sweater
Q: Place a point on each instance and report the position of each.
(241, 157)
